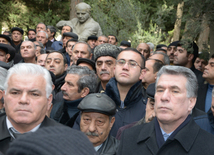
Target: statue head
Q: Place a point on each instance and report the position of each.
(83, 11)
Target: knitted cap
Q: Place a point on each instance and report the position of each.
(106, 50)
(59, 140)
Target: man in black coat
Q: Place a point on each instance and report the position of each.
(27, 99)
(172, 131)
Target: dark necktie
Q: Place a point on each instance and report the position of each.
(16, 134)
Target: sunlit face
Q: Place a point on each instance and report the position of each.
(55, 63)
(65, 29)
(112, 40)
(40, 27)
(92, 43)
(170, 52)
(126, 75)
(3, 56)
(149, 77)
(16, 36)
(80, 51)
(70, 88)
(105, 68)
(25, 100)
(180, 57)
(41, 36)
(96, 126)
(82, 15)
(41, 59)
(27, 50)
(101, 40)
(208, 73)
(172, 105)
(143, 48)
(31, 35)
(3, 41)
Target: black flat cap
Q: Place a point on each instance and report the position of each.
(92, 37)
(98, 102)
(6, 37)
(71, 34)
(150, 91)
(173, 43)
(31, 30)
(8, 49)
(125, 43)
(88, 61)
(4, 65)
(17, 29)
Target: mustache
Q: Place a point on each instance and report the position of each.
(64, 93)
(92, 134)
(104, 72)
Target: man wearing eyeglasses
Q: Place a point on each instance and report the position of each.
(126, 88)
(28, 52)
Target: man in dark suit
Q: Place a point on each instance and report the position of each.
(27, 98)
(173, 131)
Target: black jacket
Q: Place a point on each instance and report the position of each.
(109, 147)
(60, 80)
(191, 140)
(5, 137)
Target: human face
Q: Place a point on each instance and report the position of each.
(65, 29)
(170, 52)
(27, 50)
(208, 73)
(102, 40)
(198, 64)
(112, 40)
(38, 48)
(26, 103)
(40, 27)
(149, 77)
(80, 51)
(150, 113)
(92, 43)
(65, 39)
(172, 106)
(41, 36)
(126, 75)
(212, 106)
(180, 57)
(70, 88)
(50, 36)
(41, 59)
(96, 126)
(55, 63)
(16, 36)
(82, 15)
(31, 35)
(144, 49)
(3, 41)
(105, 68)
(158, 57)
(3, 56)
(69, 48)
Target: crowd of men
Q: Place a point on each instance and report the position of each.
(126, 100)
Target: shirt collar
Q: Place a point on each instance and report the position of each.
(98, 147)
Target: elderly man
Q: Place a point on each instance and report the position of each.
(92, 41)
(17, 34)
(42, 36)
(102, 40)
(51, 31)
(40, 60)
(26, 102)
(144, 49)
(28, 52)
(105, 57)
(56, 62)
(79, 82)
(84, 26)
(81, 50)
(7, 52)
(41, 27)
(173, 131)
(97, 119)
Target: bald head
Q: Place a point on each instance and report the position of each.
(144, 49)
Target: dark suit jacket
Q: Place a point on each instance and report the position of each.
(191, 140)
(202, 93)
(5, 137)
(48, 44)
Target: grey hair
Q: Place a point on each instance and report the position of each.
(3, 74)
(43, 24)
(26, 69)
(191, 84)
(82, 42)
(52, 29)
(151, 45)
(165, 57)
(43, 32)
(31, 42)
(87, 77)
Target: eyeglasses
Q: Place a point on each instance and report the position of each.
(131, 63)
(28, 47)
